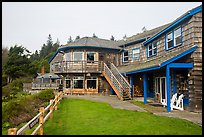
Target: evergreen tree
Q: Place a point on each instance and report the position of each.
(94, 36)
(70, 40)
(77, 37)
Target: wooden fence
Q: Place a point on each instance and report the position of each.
(40, 118)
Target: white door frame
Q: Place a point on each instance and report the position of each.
(160, 88)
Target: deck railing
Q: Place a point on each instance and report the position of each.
(77, 66)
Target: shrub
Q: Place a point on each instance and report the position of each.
(20, 110)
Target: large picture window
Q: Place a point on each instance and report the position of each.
(79, 82)
(177, 36)
(169, 40)
(78, 56)
(135, 53)
(91, 57)
(125, 56)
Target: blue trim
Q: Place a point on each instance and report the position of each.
(168, 84)
(131, 84)
(166, 62)
(145, 84)
(53, 56)
(111, 91)
(180, 65)
(133, 54)
(189, 14)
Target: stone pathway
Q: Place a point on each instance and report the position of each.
(116, 103)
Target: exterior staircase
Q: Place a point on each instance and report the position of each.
(117, 81)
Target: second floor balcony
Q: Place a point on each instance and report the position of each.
(77, 67)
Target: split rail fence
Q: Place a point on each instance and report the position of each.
(41, 118)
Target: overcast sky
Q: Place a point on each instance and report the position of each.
(29, 23)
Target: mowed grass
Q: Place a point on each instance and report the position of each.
(84, 117)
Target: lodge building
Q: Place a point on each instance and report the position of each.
(154, 64)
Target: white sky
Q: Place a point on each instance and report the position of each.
(29, 23)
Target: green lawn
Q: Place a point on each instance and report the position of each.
(83, 117)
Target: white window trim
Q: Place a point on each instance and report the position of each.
(125, 56)
(137, 56)
(169, 40)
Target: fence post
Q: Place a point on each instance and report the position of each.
(41, 120)
(51, 108)
(12, 131)
(56, 98)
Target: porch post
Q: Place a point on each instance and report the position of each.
(174, 81)
(145, 87)
(132, 85)
(168, 84)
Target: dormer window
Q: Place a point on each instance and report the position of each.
(152, 49)
(135, 53)
(174, 38)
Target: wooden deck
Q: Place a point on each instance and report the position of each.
(81, 91)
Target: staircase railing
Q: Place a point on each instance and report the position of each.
(120, 78)
(114, 80)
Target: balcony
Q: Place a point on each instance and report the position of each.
(77, 67)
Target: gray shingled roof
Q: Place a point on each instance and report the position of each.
(145, 34)
(93, 42)
(150, 64)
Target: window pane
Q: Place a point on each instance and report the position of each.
(68, 83)
(78, 56)
(150, 53)
(91, 84)
(67, 57)
(169, 37)
(170, 44)
(125, 58)
(177, 32)
(126, 53)
(178, 40)
(90, 56)
(78, 83)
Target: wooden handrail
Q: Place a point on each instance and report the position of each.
(40, 117)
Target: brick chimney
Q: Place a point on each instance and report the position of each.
(43, 70)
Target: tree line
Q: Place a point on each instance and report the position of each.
(19, 62)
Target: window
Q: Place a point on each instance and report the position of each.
(169, 40)
(177, 36)
(152, 49)
(135, 53)
(174, 38)
(67, 57)
(78, 56)
(91, 57)
(91, 83)
(68, 83)
(125, 56)
(78, 82)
